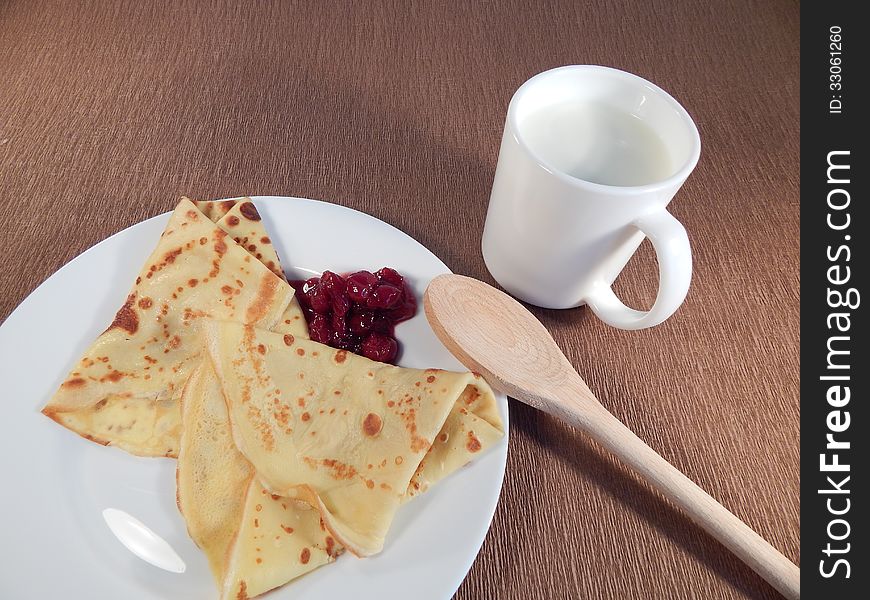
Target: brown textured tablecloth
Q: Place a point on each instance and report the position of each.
(110, 111)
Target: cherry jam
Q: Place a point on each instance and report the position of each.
(357, 312)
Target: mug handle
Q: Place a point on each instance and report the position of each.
(674, 255)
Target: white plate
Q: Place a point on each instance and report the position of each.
(55, 542)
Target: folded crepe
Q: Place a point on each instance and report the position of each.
(349, 436)
(125, 389)
(254, 540)
(241, 220)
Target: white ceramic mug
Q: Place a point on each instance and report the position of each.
(590, 158)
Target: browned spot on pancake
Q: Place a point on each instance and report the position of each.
(240, 283)
(73, 383)
(473, 395)
(443, 437)
(301, 401)
(300, 351)
(336, 392)
(114, 376)
(233, 220)
(261, 348)
(258, 508)
(138, 280)
(265, 240)
(399, 460)
(174, 343)
(289, 339)
(282, 415)
(243, 594)
(220, 246)
(287, 529)
(341, 356)
(473, 443)
(305, 416)
(101, 404)
(227, 290)
(330, 545)
(191, 214)
(417, 383)
(259, 256)
(249, 211)
(226, 205)
(252, 248)
(169, 258)
(390, 403)
(265, 295)
(274, 496)
(145, 303)
(418, 443)
(192, 282)
(126, 317)
(189, 313)
(430, 379)
(372, 424)
(259, 560)
(256, 521)
(370, 484)
(306, 554)
(203, 241)
(339, 469)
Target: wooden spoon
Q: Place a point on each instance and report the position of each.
(493, 334)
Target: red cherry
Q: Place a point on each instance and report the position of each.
(310, 283)
(340, 304)
(361, 322)
(384, 296)
(382, 325)
(359, 286)
(333, 283)
(407, 309)
(345, 342)
(339, 325)
(391, 276)
(380, 347)
(304, 287)
(319, 330)
(319, 300)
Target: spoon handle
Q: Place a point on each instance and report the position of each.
(717, 520)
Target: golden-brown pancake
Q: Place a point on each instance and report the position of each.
(125, 389)
(342, 432)
(254, 541)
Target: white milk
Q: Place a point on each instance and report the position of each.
(597, 143)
